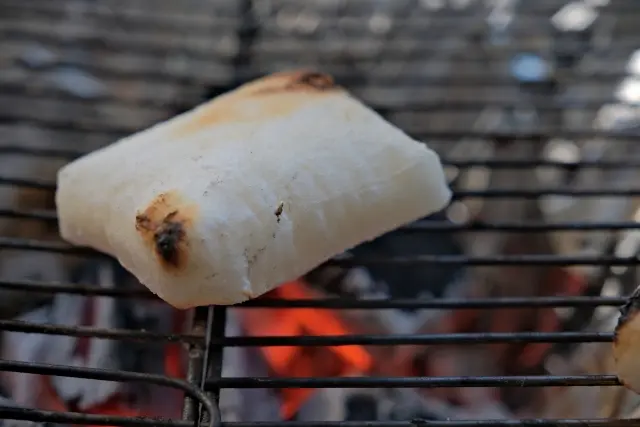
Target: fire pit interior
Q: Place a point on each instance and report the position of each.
(498, 309)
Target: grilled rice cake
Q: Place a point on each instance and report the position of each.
(249, 190)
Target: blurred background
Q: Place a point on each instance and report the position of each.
(533, 106)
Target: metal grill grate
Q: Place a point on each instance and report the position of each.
(446, 72)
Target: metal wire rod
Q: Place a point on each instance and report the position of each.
(33, 286)
(311, 341)
(384, 76)
(541, 134)
(85, 419)
(458, 195)
(19, 149)
(104, 375)
(539, 422)
(28, 183)
(422, 226)
(161, 25)
(48, 216)
(533, 260)
(488, 163)
(438, 303)
(73, 418)
(532, 194)
(519, 260)
(85, 331)
(150, 45)
(214, 349)
(541, 6)
(415, 339)
(153, 20)
(414, 106)
(448, 227)
(67, 124)
(157, 43)
(418, 382)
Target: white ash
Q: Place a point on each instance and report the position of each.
(107, 313)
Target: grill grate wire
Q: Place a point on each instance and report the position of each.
(207, 339)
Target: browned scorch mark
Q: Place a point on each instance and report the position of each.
(317, 81)
(275, 95)
(164, 225)
(294, 81)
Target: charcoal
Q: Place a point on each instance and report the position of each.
(107, 313)
(361, 408)
(15, 347)
(377, 405)
(68, 310)
(386, 282)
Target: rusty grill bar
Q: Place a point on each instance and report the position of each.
(207, 339)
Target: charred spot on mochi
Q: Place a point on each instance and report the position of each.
(278, 211)
(163, 225)
(296, 81)
(315, 80)
(271, 96)
(168, 238)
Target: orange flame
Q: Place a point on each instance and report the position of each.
(303, 361)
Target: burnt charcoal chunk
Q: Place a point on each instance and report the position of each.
(412, 281)
(361, 407)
